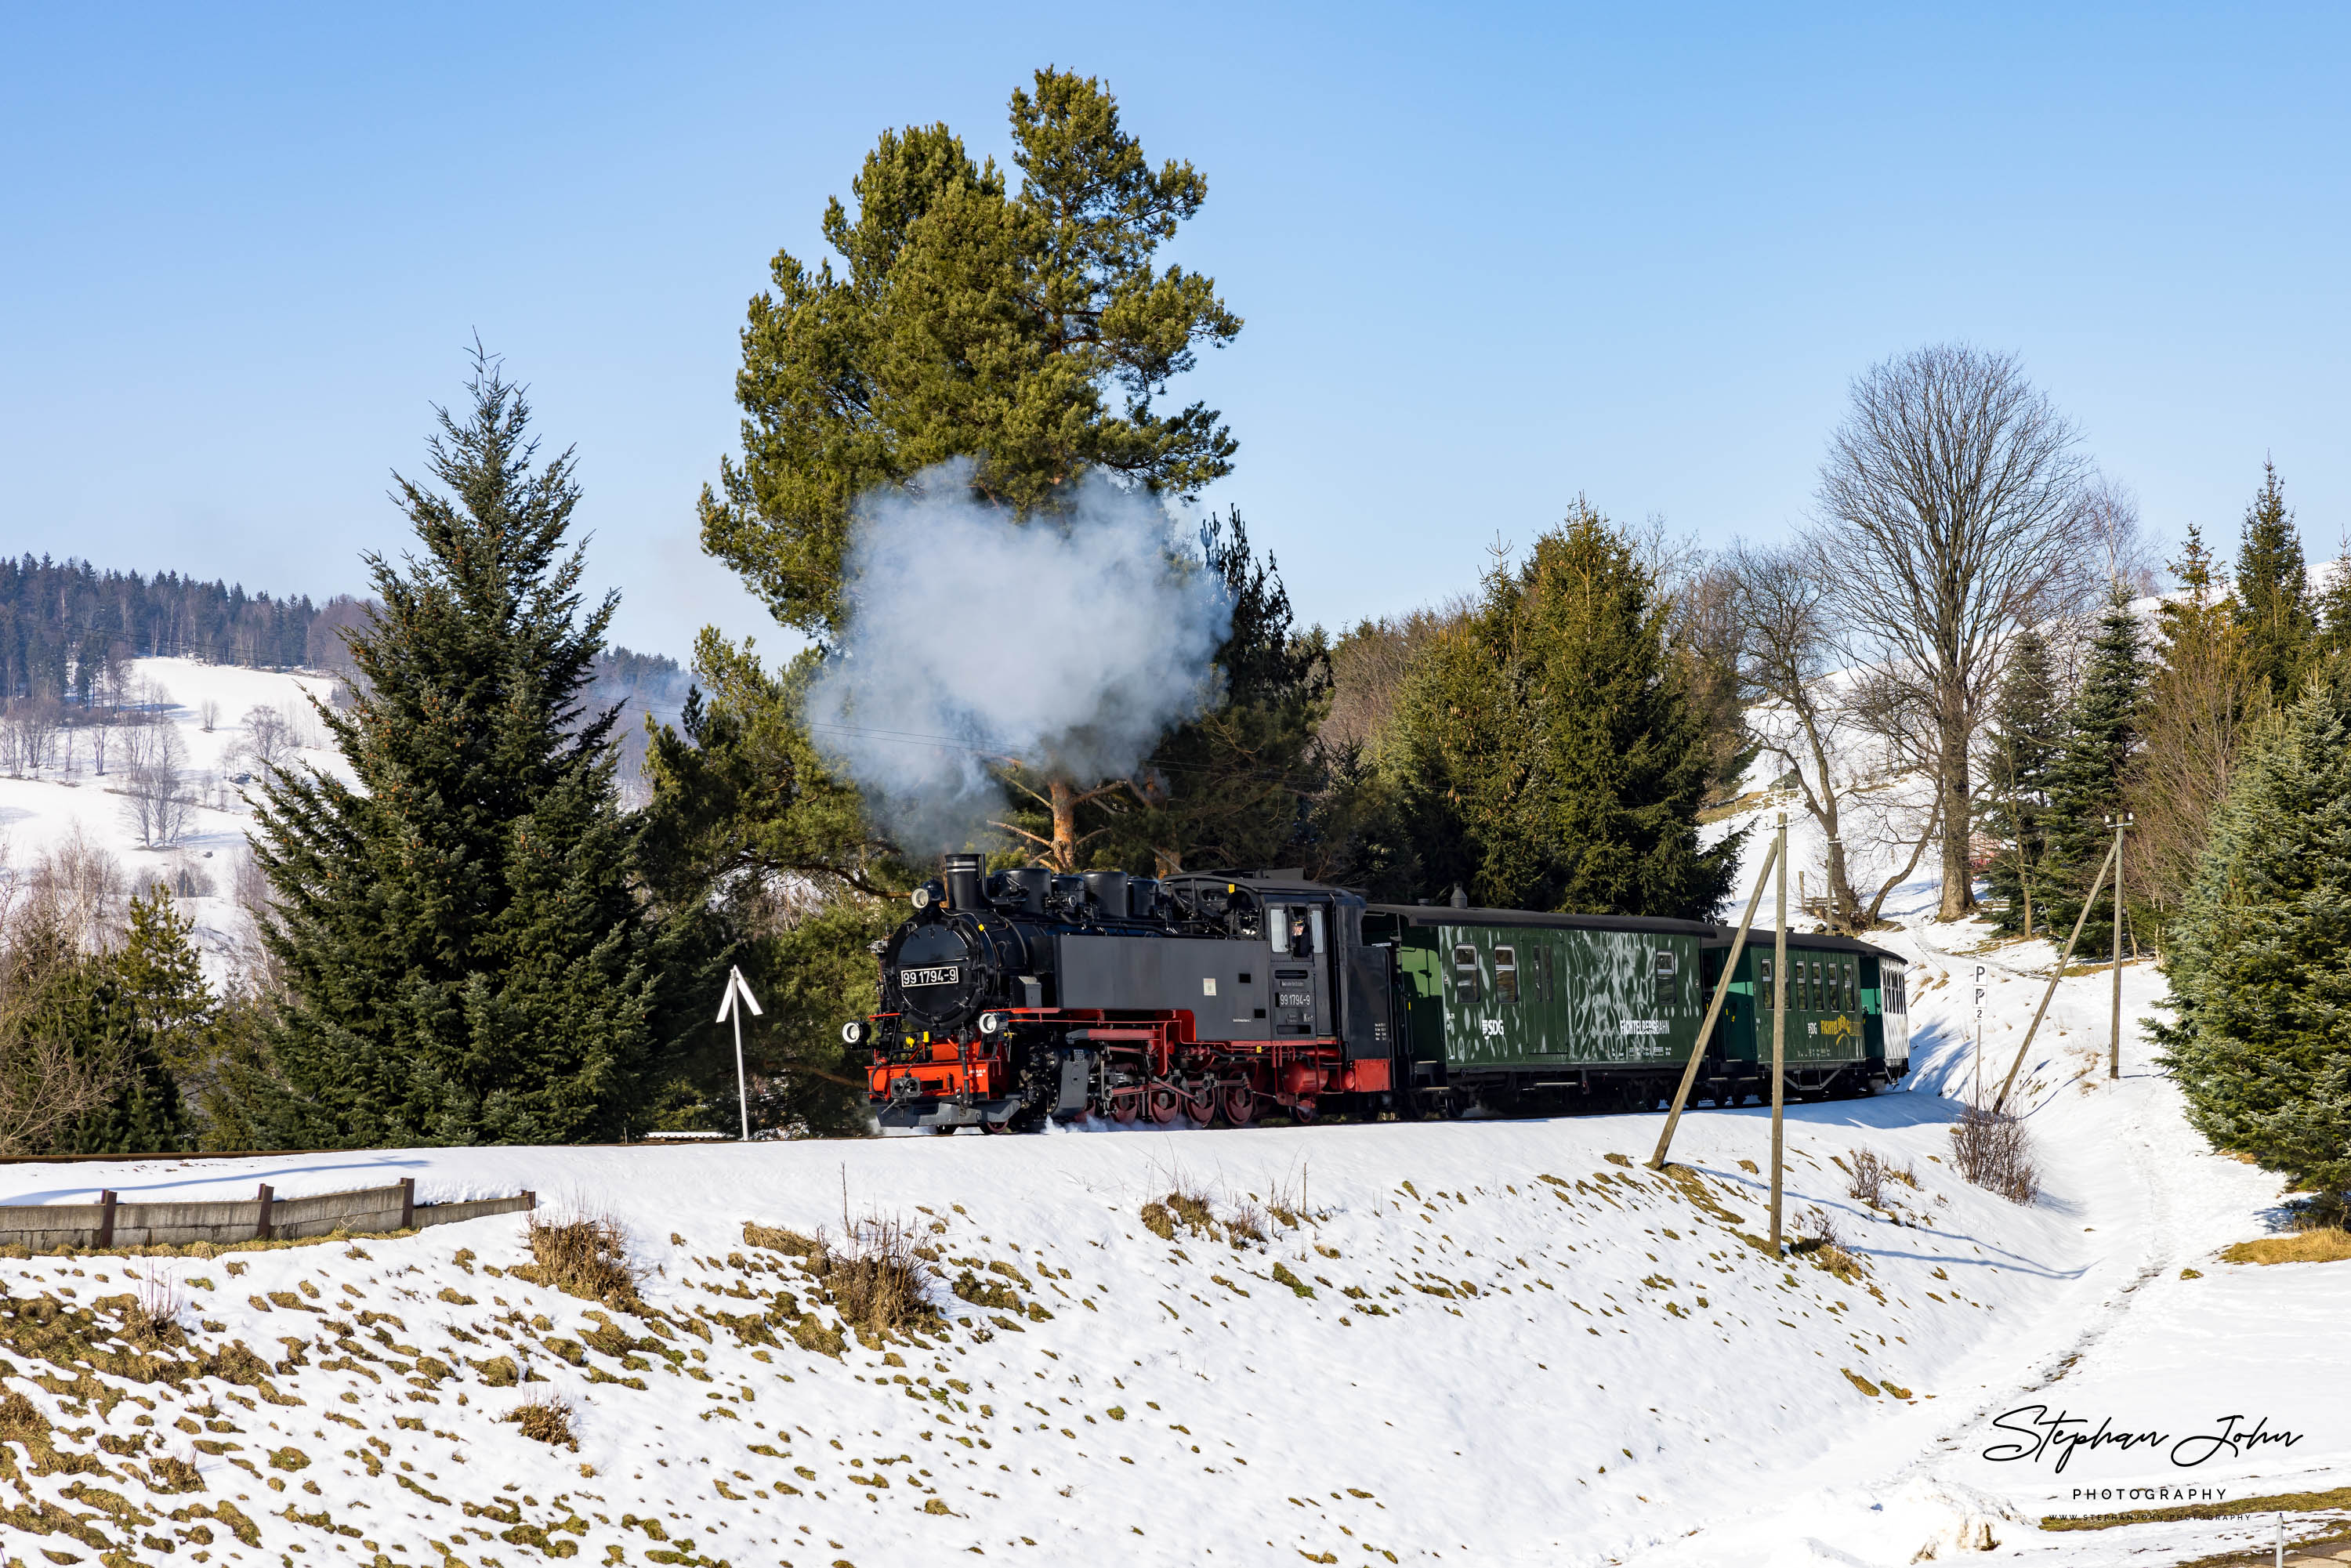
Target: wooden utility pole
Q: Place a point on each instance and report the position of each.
(2115, 1026)
(1713, 1011)
(1779, 1023)
(2054, 975)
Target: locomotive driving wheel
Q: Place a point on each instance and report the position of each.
(1239, 1102)
(1164, 1104)
(1124, 1107)
(1200, 1102)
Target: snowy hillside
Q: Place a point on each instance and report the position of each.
(1506, 1342)
(1471, 1342)
(48, 805)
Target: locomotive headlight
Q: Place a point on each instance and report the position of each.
(854, 1032)
(920, 898)
(992, 1023)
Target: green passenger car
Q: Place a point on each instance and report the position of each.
(1511, 1011)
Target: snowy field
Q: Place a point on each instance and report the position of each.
(1519, 1346)
(42, 811)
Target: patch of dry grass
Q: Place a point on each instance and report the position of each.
(1817, 1238)
(547, 1419)
(775, 1238)
(152, 1320)
(2321, 1244)
(875, 1277)
(587, 1257)
(1871, 1172)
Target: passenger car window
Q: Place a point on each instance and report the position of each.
(1465, 973)
(1506, 974)
(1661, 990)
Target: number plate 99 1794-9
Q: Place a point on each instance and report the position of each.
(943, 975)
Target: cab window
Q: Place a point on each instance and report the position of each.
(1506, 974)
(1465, 973)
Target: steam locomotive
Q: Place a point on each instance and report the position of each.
(1012, 997)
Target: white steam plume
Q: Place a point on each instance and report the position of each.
(1068, 643)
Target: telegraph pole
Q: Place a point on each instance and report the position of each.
(1779, 1023)
(2115, 1026)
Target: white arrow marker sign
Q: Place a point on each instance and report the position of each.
(730, 1007)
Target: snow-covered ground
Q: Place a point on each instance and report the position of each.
(42, 810)
(1520, 1346)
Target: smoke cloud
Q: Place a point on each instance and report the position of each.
(1066, 643)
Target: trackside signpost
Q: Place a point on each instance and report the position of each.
(730, 1007)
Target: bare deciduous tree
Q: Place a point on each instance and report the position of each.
(268, 738)
(46, 1085)
(1369, 667)
(157, 796)
(1805, 715)
(208, 711)
(1951, 512)
(1783, 669)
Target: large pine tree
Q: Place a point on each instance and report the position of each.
(2258, 982)
(2028, 723)
(1549, 757)
(2273, 591)
(2086, 786)
(464, 958)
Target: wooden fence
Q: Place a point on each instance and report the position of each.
(76, 1226)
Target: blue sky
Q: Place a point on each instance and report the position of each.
(1488, 260)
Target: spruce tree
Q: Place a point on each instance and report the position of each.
(463, 955)
(2259, 987)
(2086, 784)
(2028, 723)
(2203, 693)
(2272, 590)
(133, 1017)
(2334, 606)
(1548, 756)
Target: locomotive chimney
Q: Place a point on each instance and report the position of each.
(1108, 890)
(963, 884)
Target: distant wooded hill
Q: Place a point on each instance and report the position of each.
(65, 626)
(66, 629)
